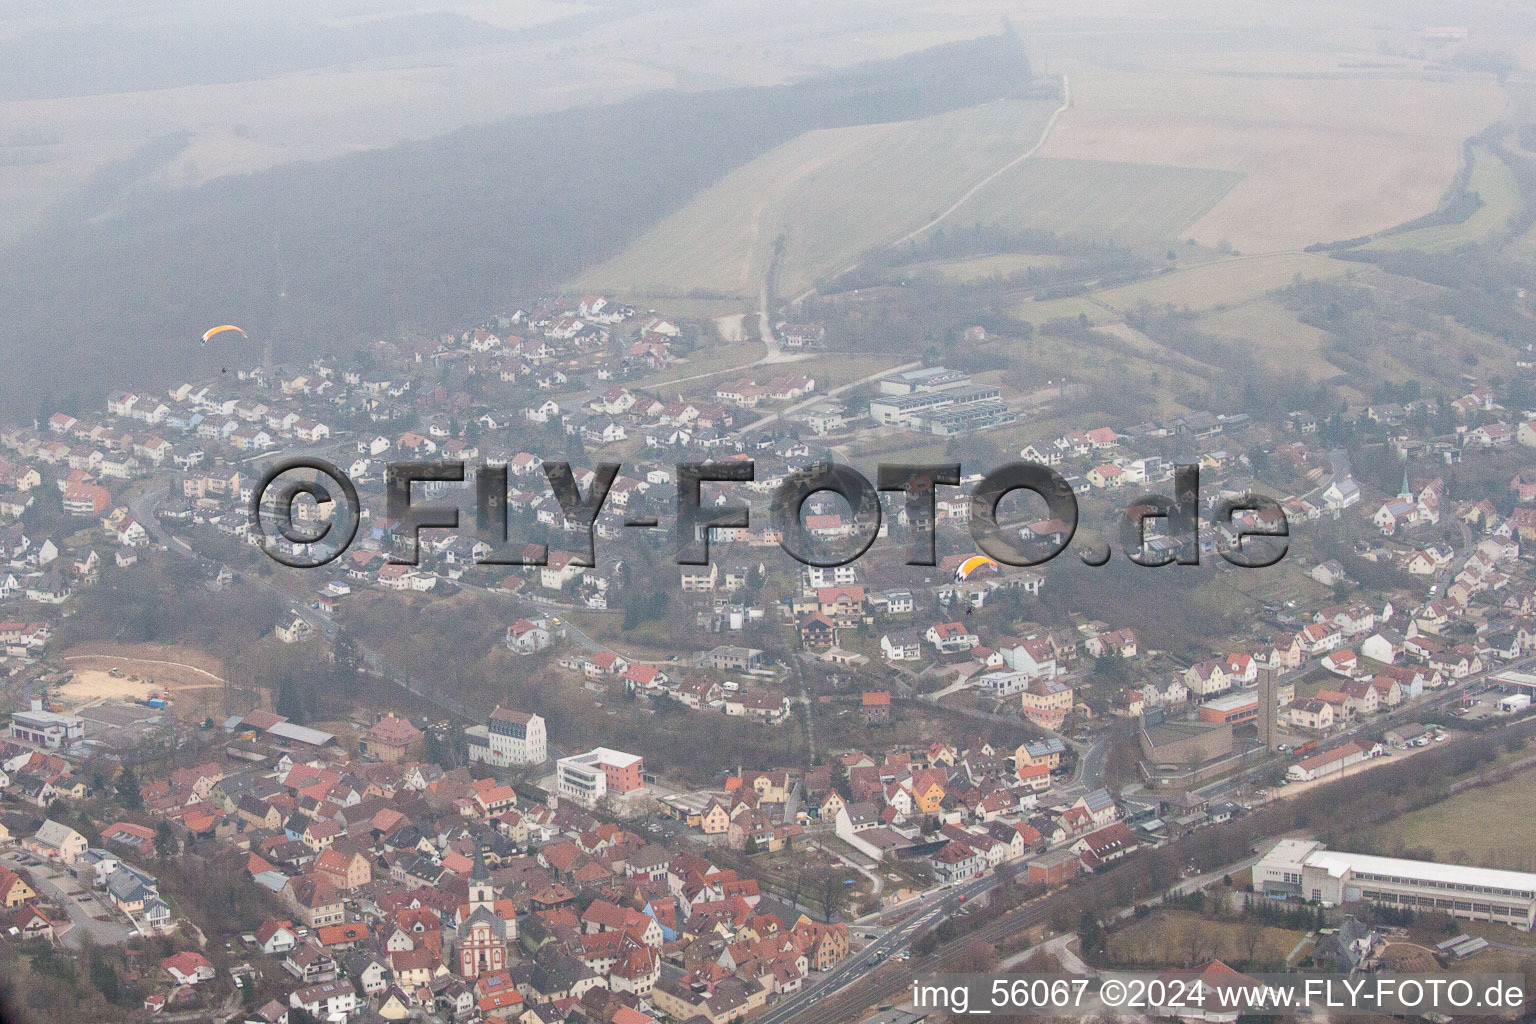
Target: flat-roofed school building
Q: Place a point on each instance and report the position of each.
(1305, 868)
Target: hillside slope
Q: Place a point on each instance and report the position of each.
(423, 235)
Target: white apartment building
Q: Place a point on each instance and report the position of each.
(508, 738)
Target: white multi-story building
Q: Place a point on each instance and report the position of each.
(508, 738)
(1305, 868)
(47, 729)
(587, 778)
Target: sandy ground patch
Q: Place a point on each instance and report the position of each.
(192, 678)
(730, 327)
(91, 684)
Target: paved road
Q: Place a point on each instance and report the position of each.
(822, 397)
(849, 990)
(1092, 764)
(765, 326)
(145, 509)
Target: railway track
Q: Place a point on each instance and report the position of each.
(889, 981)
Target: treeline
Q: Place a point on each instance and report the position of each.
(425, 235)
(1482, 287)
(1176, 329)
(41, 982)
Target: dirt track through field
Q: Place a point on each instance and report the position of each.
(1045, 133)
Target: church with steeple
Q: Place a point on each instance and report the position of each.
(482, 934)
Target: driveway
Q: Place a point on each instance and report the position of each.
(56, 885)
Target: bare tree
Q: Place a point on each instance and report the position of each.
(1252, 936)
(1192, 937)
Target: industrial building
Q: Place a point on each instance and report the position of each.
(928, 378)
(1305, 869)
(1329, 762)
(965, 419)
(1234, 708)
(1175, 752)
(947, 411)
(905, 410)
(46, 728)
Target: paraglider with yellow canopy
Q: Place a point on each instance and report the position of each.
(210, 332)
(213, 332)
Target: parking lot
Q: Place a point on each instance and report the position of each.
(1485, 705)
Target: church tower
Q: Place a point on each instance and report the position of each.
(481, 892)
(482, 934)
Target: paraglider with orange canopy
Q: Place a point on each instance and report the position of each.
(964, 569)
(220, 330)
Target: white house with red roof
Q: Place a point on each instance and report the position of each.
(188, 968)
(950, 637)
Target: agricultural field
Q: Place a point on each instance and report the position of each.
(1177, 934)
(1275, 336)
(1219, 284)
(51, 148)
(1494, 184)
(1128, 202)
(1038, 311)
(1222, 283)
(1458, 829)
(1286, 345)
(1326, 155)
(823, 198)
